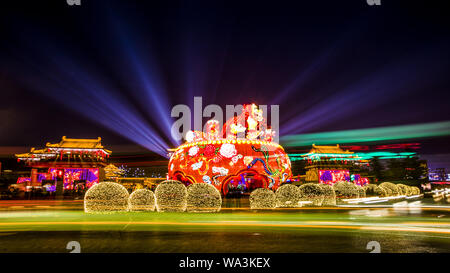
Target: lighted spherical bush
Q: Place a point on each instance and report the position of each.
(311, 192)
(287, 196)
(415, 190)
(374, 190)
(262, 198)
(392, 189)
(388, 191)
(106, 197)
(171, 195)
(142, 200)
(370, 190)
(361, 192)
(329, 195)
(404, 190)
(203, 197)
(345, 189)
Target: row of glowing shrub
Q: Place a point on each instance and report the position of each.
(172, 195)
(313, 194)
(169, 196)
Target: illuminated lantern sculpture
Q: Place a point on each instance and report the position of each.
(229, 162)
(212, 129)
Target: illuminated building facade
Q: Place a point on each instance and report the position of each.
(67, 164)
(331, 164)
(240, 156)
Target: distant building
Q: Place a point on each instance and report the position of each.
(67, 164)
(331, 164)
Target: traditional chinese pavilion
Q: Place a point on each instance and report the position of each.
(71, 161)
(331, 164)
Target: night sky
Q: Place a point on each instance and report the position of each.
(116, 68)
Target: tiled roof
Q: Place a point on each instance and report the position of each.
(328, 150)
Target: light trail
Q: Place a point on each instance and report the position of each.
(369, 135)
(232, 224)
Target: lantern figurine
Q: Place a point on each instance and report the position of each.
(236, 129)
(212, 129)
(269, 135)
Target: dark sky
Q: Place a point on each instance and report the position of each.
(330, 65)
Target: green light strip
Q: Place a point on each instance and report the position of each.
(369, 135)
(354, 156)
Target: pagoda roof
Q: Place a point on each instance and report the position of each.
(316, 149)
(64, 144)
(74, 143)
(33, 152)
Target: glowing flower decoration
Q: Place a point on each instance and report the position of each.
(203, 197)
(248, 159)
(221, 170)
(197, 165)
(262, 198)
(193, 151)
(106, 197)
(190, 135)
(207, 179)
(170, 196)
(142, 200)
(228, 150)
(217, 158)
(209, 150)
(235, 159)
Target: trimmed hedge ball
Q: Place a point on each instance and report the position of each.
(287, 196)
(415, 190)
(374, 190)
(345, 189)
(262, 198)
(311, 192)
(203, 197)
(171, 196)
(361, 192)
(392, 189)
(371, 190)
(405, 190)
(329, 195)
(142, 200)
(106, 197)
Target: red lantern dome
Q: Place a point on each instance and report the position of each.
(231, 162)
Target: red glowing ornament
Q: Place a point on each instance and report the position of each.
(246, 158)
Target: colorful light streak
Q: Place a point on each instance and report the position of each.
(353, 157)
(415, 131)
